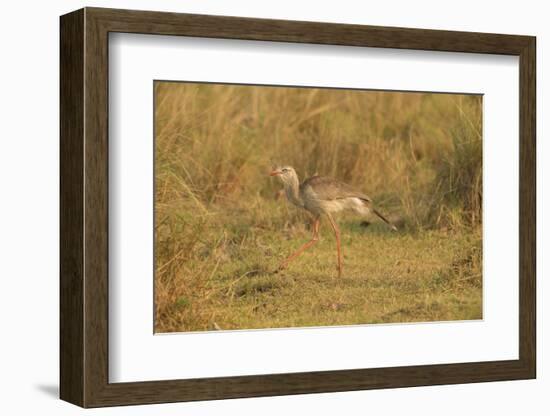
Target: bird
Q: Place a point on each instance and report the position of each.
(322, 195)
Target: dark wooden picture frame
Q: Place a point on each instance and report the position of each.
(84, 207)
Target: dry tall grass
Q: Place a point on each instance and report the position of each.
(418, 155)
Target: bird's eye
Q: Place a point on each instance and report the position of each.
(285, 170)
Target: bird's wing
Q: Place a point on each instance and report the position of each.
(329, 189)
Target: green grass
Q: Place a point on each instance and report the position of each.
(224, 277)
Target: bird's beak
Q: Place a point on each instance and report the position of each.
(275, 173)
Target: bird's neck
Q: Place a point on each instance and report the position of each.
(292, 190)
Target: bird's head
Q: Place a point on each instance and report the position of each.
(286, 173)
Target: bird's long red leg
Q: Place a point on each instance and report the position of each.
(337, 234)
(307, 245)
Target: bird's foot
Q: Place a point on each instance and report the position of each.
(279, 269)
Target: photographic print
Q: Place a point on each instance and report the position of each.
(289, 207)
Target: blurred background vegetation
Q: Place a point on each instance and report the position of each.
(221, 224)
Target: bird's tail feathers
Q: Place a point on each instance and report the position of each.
(393, 227)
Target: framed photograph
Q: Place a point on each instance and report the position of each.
(254, 207)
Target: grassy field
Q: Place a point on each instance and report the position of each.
(222, 226)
